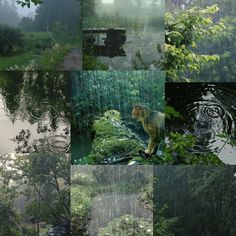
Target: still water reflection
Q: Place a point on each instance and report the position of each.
(34, 112)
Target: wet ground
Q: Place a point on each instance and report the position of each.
(72, 61)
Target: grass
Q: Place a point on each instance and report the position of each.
(49, 59)
(41, 51)
(20, 60)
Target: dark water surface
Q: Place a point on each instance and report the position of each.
(34, 112)
(208, 110)
(144, 41)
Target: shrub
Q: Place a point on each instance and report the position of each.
(39, 40)
(10, 39)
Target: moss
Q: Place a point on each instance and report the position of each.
(113, 142)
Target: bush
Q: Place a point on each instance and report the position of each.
(127, 225)
(10, 39)
(39, 40)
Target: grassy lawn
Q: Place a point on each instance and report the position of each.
(20, 60)
(49, 59)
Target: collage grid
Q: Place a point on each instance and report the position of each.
(117, 118)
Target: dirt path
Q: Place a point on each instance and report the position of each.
(106, 207)
(73, 61)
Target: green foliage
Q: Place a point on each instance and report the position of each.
(113, 141)
(91, 63)
(183, 31)
(162, 224)
(95, 92)
(170, 112)
(116, 21)
(50, 58)
(66, 12)
(15, 62)
(126, 179)
(199, 196)
(28, 3)
(10, 39)
(47, 179)
(38, 41)
(88, 8)
(82, 191)
(178, 151)
(127, 225)
(224, 45)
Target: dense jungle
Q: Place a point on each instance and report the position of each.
(103, 130)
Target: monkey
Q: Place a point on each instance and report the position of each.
(153, 123)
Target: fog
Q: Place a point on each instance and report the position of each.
(130, 7)
(25, 11)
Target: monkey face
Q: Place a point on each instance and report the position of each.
(137, 112)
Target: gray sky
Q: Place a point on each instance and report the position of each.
(25, 11)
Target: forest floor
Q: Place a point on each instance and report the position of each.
(107, 206)
(73, 61)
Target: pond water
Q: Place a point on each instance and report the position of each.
(145, 41)
(208, 110)
(34, 112)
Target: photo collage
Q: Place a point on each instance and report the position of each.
(118, 117)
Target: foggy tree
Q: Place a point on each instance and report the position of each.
(88, 8)
(46, 176)
(65, 11)
(27, 24)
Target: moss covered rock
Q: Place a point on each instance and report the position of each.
(114, 142)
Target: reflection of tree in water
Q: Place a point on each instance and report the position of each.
(40, 98)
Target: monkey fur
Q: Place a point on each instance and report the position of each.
(153, 123)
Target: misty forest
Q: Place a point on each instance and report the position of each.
(194, 200)
(200, 40)
(112, 200)
(103, 130)
(34, 196)
(45, 36)
(120, 34)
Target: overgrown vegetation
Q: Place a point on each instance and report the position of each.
(46, 39)
(90, 182)
(34, 192)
